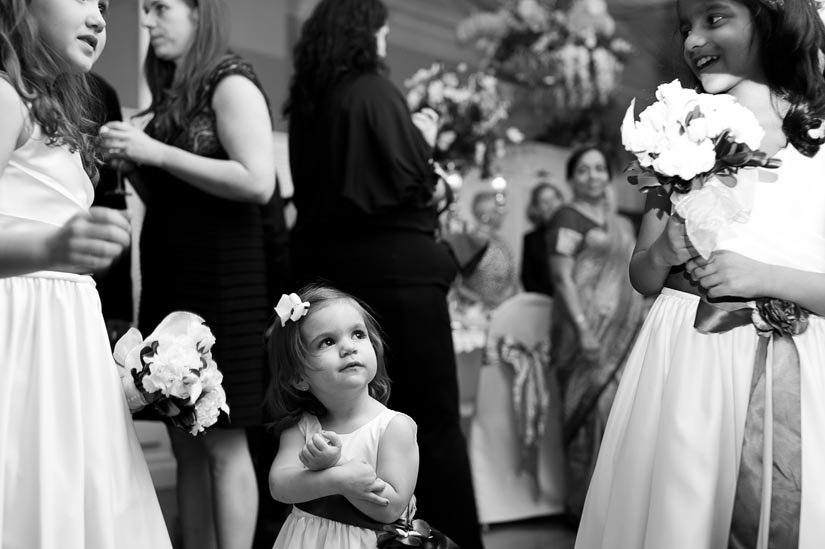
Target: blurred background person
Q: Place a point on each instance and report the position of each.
(596, 313)
(114, 284)
(545, 199)
(495, 278)
(206, 164)
(365, 194)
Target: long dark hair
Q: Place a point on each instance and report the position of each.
(336, 40)
(60, 102)
(792, 39)
(288, 357)
(177, 91)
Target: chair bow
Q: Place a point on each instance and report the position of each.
(290, 307)
(531, 397)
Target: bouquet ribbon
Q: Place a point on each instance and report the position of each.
(770, 467)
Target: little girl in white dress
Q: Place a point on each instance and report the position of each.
(347, 462)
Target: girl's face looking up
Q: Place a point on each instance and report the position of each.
(74, 31)
(341, 356)
(720, 44)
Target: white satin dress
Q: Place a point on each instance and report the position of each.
(72, 473)
(667, 469)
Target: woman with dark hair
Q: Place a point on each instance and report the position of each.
(545, 199)
(715, 437)
(596, 313)
(365, 193)
(205, 161)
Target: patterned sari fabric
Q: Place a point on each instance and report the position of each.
(614, 311)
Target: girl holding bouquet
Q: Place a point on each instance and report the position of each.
(347, 462)
(718, 419)
(72, 473)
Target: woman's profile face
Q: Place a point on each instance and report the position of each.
(591, 176)
(381, 40)
(172, 25)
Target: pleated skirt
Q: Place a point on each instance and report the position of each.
(72, 473)
(666, 473)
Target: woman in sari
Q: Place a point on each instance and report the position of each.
(596, 312)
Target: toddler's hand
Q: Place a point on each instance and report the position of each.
(90, 241)
(360, 481)
(322, 451)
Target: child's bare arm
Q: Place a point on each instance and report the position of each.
(291, 482)
(397, 466)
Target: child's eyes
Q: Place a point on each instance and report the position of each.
(360, 334)
(714, 20)
(103, 7)
(326, 342)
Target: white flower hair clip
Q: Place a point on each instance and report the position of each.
(290, 307)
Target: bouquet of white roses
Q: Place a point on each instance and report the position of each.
(693, 145)
(174, 371)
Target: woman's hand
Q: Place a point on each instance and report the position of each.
(426, 120)
(321, 451)
(673, 247)
(728, 273)
(90, 241)
(120, 140)
(359, 481)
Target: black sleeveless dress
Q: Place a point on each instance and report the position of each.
(205, 254)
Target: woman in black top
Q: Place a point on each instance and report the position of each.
(206, 165)
(364, 191)
(545, 199)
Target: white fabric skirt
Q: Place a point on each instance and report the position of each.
(72, 473)
(303, 530)
(666, 472)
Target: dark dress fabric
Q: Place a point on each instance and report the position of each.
(362, 186)
(115, 284)
(535, 263)
(206, 254)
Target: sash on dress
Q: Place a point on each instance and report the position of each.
(765, 514)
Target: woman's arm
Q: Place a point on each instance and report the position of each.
(244, 130)
(662, 243)
(397, 467)
(561, 273)
(291, 482)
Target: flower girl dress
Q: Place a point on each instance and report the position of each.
(72, 473)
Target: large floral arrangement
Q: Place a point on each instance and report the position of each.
(574, 53)
(471, 112)
(173, 370)
(692, 145)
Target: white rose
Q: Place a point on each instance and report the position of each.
(685, 159)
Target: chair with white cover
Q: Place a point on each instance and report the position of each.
(515, 440)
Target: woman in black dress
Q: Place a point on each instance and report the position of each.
(206, 164)
(364, 191)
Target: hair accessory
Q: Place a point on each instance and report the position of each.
(290, 307)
